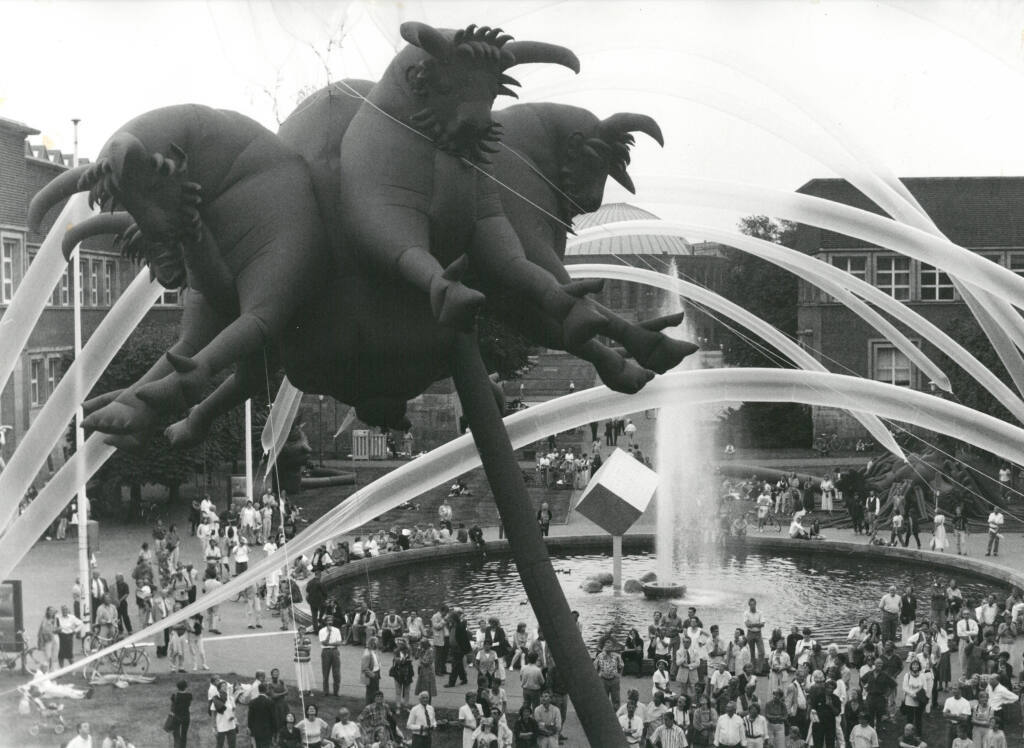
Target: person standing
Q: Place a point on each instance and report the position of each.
(995, 527)
(908, 616)
(544, 518)
(369, 670)
(470, 715)
(755, 727)
(421, 722)
(402, 673)
(960, 528)
(668, 734)
(609, 666)
(729, 732)
(863, 735)
(754, 622)
(439, 639)
(966, 635)
(957, 711)
(459, 645)
(225, 723)
(630, 431)
(260, 718)
(181, 704)
(315, 597)
(549, 722)
(330, 659)
(775, 713)
(889, 605)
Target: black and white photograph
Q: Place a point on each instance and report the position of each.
(521, 374)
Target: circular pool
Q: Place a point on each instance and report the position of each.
(827, 593)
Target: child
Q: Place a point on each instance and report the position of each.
(793, 740)
(963, 736)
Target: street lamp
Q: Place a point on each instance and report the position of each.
(320, 398)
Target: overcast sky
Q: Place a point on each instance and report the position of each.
(921, 88)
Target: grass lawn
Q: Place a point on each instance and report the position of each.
(138, 714)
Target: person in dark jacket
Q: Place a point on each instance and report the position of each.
(260, 719)
(315, 597)
(181, 702)
(459, 646)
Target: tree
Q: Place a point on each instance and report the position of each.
(157, 463)
(503, 350)
(770, 292)
(765, 289)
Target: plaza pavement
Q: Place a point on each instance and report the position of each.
(48, 571)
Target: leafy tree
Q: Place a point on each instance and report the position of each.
(770, 292)
(503, 350)
(156, 462)
(765, 289)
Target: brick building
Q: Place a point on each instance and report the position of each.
(102, 274)
(983, 214)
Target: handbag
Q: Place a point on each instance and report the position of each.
(170, 723)
(921, 697)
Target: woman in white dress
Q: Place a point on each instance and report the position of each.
(939, 541)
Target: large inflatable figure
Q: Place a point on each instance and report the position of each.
(213, 199)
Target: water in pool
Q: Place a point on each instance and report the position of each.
(829, 594)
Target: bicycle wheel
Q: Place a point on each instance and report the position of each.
(834, 443)
(135, 662)
(88, 644)
(34, 658)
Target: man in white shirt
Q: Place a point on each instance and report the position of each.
(330, 657)
(995, 527)
(421, 722)
(345, 733)
(999, 695)
(83, 739)
(987, 613)
(754, 622)
(956, 710)
(863, 735)
(966, 633)
(632, 724)
(890, 607)
(729, 728)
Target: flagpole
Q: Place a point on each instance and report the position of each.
(83, 502)
(248, 450)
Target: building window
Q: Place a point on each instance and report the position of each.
(935, 284)
(53, 372)
(890, 365)
(855, 265)
(1016, 262)
(892, 275)
(36, 381)
(169, 298)
(109, 280)
(10, 248)
(94, 283)
(81, 282)
(64, 289)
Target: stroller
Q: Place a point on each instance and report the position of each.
(45, 715)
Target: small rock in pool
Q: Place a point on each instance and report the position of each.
(605, 578)
(633, 585)
(592, 585)
(649, 577)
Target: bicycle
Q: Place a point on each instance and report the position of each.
(31, 659)
(825, 444)
(771, 521)
(127, 660)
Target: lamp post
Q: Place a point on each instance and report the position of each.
(321, 420)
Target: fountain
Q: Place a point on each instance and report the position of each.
(683, 462)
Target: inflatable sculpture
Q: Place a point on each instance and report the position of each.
(365, 277)
(213, 199)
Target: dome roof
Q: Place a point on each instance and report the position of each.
(624, 245)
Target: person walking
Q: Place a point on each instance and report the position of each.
(260, 718)
(330, 659)
(630, 432)
(181, 705)
(609, 666)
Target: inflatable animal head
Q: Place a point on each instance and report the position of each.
(584, 151)
(450, 79)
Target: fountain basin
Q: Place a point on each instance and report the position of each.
(663, 590)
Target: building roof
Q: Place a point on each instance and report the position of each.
(625, 245)
(976, 212)
(11, 124)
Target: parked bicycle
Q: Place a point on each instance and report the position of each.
(19, 655)
(127, 660)
(825, 444)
